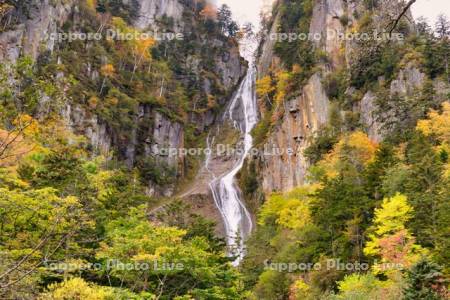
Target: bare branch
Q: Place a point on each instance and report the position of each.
(404, 11)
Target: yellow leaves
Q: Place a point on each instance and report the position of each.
(143, 46)
(107, 70)
(437, 124)
(91, 4)
(120, 24)
(290, 210)
(99, 181)
(390, 239)
(93, 102)
(27, 123)
(393, 214)
(356, 148)
(283, 79)
(264, 86)
(211, 101)
(77, 289)
(139, 44)
(112, 101)
(145, 257)
(300, 285)
(295, 214)
(299, 290)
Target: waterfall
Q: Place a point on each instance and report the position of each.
(227, 196)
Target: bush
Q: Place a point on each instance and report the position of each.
(344, 20)
(157, 171)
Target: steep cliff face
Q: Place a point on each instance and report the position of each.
(409, 80)
(155, 134)
(283, 163)
(28, 26)
(326, 23)
(284, 166)
(371, 105)
(150, 11)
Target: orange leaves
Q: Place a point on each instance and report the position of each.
(390, 239)
(355, 148)
(14, 144)
(395, 248)
(93, 102)
(108, 70)
(209, 12)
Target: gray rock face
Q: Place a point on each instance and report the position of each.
(151, 10)
(162, 142)
(325, 23)
(229, 67)
(283, 163)
(408, 81)
(155, 134)
(167, 136)
(44, 19)
(367, 109)
(80, 122)
(267, 58)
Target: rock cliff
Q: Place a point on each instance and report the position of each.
(308, 109)
(28, 31)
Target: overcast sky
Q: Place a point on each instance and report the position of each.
(245, 10)
(248, 10)
(430, 9)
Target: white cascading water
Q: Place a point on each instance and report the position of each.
(227, 196)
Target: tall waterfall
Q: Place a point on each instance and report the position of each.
(227, 196)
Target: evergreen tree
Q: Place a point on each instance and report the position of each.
(225, 20)
(424, 281)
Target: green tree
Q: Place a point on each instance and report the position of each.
(37, 227)
(176, 266)
(424, 281)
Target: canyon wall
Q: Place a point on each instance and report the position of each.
(27, 31)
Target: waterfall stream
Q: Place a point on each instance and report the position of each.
(227, 196)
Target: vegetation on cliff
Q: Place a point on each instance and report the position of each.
(370, 222)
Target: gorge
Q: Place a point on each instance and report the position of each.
(114, 185)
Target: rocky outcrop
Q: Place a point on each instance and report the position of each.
(166, 135)
(409, 80)
(36, 22)
(367, 109)
(229, 66)
(162, 141)
(326, 24)
(81, 122)
(152, 10)
(267, 59)
(153, 135)
(282, 161)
